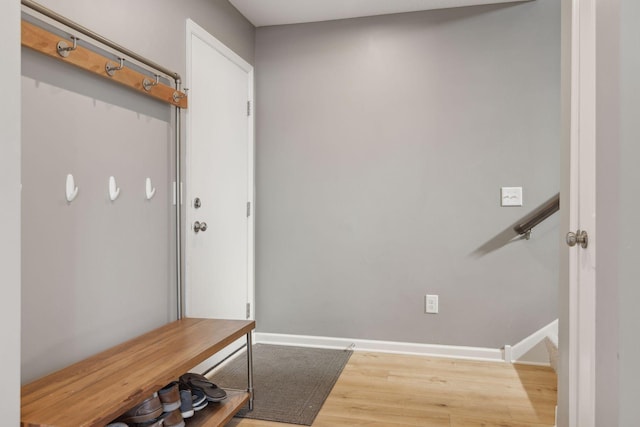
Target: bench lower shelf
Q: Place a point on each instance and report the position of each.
(216, 414)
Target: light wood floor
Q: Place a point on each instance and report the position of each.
(396, 390)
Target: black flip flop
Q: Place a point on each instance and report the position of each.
(200, 382)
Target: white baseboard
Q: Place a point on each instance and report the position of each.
(520, 349)
(509, 353)
(449, 351)
(552, 348)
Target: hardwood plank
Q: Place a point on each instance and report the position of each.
(418, 404)
(359, 412)
(246, 422)
(347, 421)
(481, 422)
(533, 413)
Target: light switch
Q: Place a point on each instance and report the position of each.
(511, 196)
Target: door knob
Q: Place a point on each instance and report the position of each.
(580, 237)
(199, 226)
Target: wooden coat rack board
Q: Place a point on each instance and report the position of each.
(45, 42)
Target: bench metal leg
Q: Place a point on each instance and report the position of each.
(250, 370)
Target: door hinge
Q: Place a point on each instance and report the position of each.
(248, 209)
(248, 108)
(248, 310)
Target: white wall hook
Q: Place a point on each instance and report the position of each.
(72, 190)
(149, 190)
(114, 191)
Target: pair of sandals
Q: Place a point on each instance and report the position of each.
(200, 382)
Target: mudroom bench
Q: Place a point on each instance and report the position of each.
(97, 390)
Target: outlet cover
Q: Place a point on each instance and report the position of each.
(511, 196)
(431, 304)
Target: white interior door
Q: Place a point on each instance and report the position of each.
(576, 392)
(218, 256)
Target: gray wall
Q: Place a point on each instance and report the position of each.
(10, 215)
(96, 273)
(382, 144)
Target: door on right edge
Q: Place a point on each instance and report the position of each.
(576, 373)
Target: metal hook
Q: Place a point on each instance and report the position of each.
(148, 84)
(111, 69)
(63, 48)
(177, 96)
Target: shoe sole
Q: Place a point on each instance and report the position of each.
(168, 407)
(201, 406)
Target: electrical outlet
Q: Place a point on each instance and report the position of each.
(431, 304)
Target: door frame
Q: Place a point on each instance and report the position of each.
(195, 30)
(576, 375)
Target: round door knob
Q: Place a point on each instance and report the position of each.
(580, 237)
(199, 226)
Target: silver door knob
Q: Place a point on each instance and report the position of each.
(199, 226)
(580, 237)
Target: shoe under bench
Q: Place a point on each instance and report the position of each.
(97, 390)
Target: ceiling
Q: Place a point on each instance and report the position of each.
(279, 12)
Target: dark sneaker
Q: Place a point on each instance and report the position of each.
(186, 404)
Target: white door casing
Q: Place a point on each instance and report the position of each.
(219, 262)
(576, 392)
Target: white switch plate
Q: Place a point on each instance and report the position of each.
(511, 196)
(431, 304)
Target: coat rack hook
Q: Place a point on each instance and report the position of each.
(72, 190)
(63, 48)
(177, 96)
(149, 190)
(111, 69)
(114, 191)
(148, 84)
